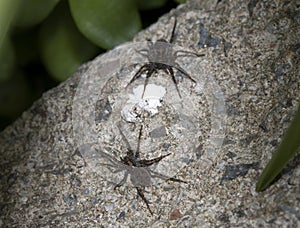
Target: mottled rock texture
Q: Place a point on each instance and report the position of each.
(252, 50)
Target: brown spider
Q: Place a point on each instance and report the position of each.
(137, 168)
(161, 56)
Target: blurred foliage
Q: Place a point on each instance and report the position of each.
(106, 23)
(33, 12)
(7, 11)
(42, 42)
(66, 49)
(288, 148)
(146, 4)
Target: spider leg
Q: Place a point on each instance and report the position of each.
(173, 31)
(187, 54)
(141, 194)
(174, 80)
(138, 74)
(180, 69)
(137, 153)
(144, 162)
(151, 70)
(130, 153)
(110, 158)
(164, 177)
(122, 181)
(145, 84)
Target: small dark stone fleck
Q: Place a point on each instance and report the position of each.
(86, 191)
(231, 111)
(246, 141)
(70, 199)
(121, 215)
(289, 103)
(76, 182)
(199, 151)
(238, 212)
(264, 127)
(102, 110)
(231, 154)
(294, 47)
(224, 218)
(296, 16)
(274, 142)
(251, 6)
(281, 70)
(166, 146)
(95, 200)
(227, 47)
(234, 171)
(187, 160)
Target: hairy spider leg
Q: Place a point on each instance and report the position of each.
(164, 177)
(110, 167)
(150, 70)
(122, 181)
(173, 31)
(138, 74)
(114, 167)
(170, 71)
(129, 152)
(137, 152)
(145, 68)
(148, 67)
(187, 54)
(181, 70)
(114, 162)
(145, 163)
(141, 194)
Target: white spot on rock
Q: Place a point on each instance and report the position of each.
(137, 104)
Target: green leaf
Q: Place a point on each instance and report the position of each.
(287, 149)
(25, 44)
(180, 1)
(33, 12)
(7, 60)
(63, 48)
(106, 23)
(15, 96)
(150, 4)
(7, 12)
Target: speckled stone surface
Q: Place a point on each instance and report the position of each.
(252, 50)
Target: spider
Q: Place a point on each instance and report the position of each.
(161, 56)
(137, 168)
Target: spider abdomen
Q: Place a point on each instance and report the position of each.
(140, 177)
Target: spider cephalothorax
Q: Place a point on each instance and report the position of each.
(161, 56)
(138, 169)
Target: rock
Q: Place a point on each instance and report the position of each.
(175, 214)
(251, 52)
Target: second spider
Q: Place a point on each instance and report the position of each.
(161, 56)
